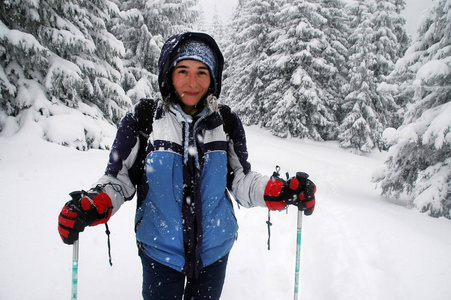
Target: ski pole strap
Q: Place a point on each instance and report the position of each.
(275, 174)
(269, 229)
(107, 231)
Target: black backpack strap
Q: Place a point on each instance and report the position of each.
(145, 112)
(228, 122)
(227, 117)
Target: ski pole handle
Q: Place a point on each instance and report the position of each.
(74, 271)
(302, 177)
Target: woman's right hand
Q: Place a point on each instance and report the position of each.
(85, 209)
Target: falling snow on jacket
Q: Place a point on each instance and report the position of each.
(189, 159)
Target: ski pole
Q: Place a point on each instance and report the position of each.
(298, 255)
(74, 271)
(302, 177)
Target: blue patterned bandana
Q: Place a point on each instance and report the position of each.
(199, 51)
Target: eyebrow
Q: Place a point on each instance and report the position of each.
(186, 67)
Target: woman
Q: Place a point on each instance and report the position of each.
(185, 224)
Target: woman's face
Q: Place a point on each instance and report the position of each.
(191, 80)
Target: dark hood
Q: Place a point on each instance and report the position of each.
(170, 49)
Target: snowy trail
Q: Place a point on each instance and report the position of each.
(355, 246)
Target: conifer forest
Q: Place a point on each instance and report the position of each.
(324, 70)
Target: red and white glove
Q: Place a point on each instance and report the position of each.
(298, 191)
(85, 209)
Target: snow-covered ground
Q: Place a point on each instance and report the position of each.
(355, 245)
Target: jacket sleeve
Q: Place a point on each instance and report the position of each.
(119, 181)
(247, 186)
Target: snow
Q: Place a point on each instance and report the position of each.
(19, 38)
(355, 245)
(434, 68)
(439, 129)
(433, 125)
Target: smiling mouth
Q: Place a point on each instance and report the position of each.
(190, 94)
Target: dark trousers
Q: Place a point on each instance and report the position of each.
(164, 283)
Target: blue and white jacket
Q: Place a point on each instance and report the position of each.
(175, 139)
(184, 217)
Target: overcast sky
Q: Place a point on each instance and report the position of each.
(223, 7)
(414, 12)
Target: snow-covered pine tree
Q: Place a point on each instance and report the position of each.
(251, 33)
(169, 17)
(377, 42)
(143, 27)
(297, 97)
(104, 67)
(201, 19)
(418, 170)
(399, 27)
(390, 39)
(363, 122)
(217, 29)
(337, 30)
(142, 49)
(391, 44)
(60, 52)
(22, 56)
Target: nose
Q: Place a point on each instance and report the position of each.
(192, 80)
